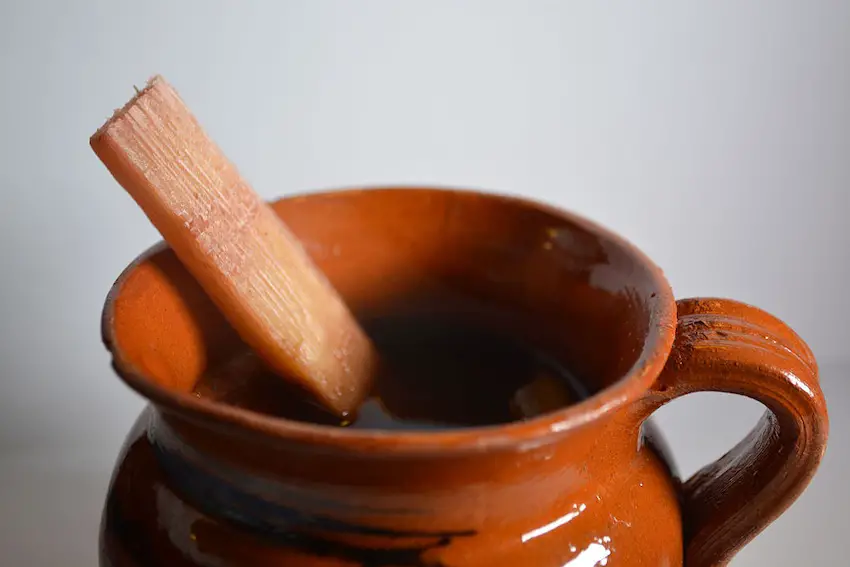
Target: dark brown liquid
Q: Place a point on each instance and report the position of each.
(436, 375)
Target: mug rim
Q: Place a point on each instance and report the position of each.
(523, 434)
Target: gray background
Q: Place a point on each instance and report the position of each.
(714, 135)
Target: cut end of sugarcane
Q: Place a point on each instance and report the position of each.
(152, 82)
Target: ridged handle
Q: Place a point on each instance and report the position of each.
(727, 346)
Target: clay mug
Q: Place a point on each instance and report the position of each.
(201, 483)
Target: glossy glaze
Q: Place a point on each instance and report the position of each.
(204, 484)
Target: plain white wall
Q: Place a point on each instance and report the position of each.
(714, 135)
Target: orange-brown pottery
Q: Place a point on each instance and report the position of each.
(203, 483)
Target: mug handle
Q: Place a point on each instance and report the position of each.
(727, 346)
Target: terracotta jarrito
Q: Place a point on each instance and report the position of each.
(200, 483)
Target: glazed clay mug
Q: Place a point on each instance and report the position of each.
(201, 483)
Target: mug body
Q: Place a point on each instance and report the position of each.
(201, 483)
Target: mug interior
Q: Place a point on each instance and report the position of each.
(571, 289)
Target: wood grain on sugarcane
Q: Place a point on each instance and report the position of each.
(240, 252)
